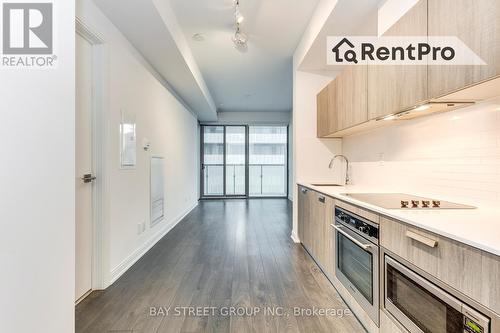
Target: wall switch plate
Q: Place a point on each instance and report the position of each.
(141, 227)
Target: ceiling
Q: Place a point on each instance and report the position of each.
(261, 78)
(151, 26)
(348, 18)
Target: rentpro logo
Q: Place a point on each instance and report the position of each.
(28, 35)
(401, 50)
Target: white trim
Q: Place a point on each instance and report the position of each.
(119, 270)
(295, 238)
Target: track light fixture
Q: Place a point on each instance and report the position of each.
(240, 39)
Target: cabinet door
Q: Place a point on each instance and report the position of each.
(333, 107)
(322, 113)
(351, 97)
(477, 24)
(318, 204)
(303, 215)
(329, 234)
(395, 88)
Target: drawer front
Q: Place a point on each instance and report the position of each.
(470, 271)
(369, 215)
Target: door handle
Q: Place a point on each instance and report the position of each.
(354, 240)
(321, 199)
(88, 178)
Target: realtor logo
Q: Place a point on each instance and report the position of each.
(27, 28)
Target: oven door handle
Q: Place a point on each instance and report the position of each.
(365, 247)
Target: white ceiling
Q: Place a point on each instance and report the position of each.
(151, 26)
(348, 18)
(261, 78)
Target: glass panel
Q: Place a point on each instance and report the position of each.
(213, 160)
(235, 160)
(267, 160)
(357, 265)
(424, 309)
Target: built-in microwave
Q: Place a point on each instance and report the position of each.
(423, 307)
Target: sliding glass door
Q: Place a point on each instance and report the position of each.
(213, 160)
(236, 160)
(243, 161)
(224, 161)
(268, 171)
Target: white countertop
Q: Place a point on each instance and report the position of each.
(479, 227)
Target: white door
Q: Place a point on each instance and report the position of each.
(83, 166)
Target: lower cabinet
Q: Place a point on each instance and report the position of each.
(315, 216)
(303, 216)
(472, 272)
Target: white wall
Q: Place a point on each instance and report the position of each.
(391, 11)
(453, 155)
(37, 245)
(132, 86)
(311, 155)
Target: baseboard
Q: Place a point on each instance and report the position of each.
(119, 270)
(295, 238)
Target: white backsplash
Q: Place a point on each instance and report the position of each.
(454, 155)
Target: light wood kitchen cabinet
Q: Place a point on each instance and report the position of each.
(352, 97)
(315, 212)
(396, 88)
(328, 256)
(322, 113)
(323, 216)
(469, 270)
(318, 202)
(343, 103)
(476, 23)
(304, 216)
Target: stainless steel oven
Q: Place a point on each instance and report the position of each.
(357, 259)
(423, 307)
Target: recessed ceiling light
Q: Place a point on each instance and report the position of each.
(422, 107)
(198, 37)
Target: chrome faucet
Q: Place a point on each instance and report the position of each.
(330, 166)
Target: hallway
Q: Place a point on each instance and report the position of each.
(233, 253)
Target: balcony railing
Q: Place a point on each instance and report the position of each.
(264, 179)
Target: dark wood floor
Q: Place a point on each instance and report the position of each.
(234, 253)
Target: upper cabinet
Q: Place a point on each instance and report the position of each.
(352, 98)
(361, 95)
(477, 24)
(395, 88)
(343, 103)
(328, 112)
(323, 113)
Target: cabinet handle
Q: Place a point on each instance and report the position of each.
(421, 239)
(321, 199)
(303, 190)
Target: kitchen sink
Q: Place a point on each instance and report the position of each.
(325, 184)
